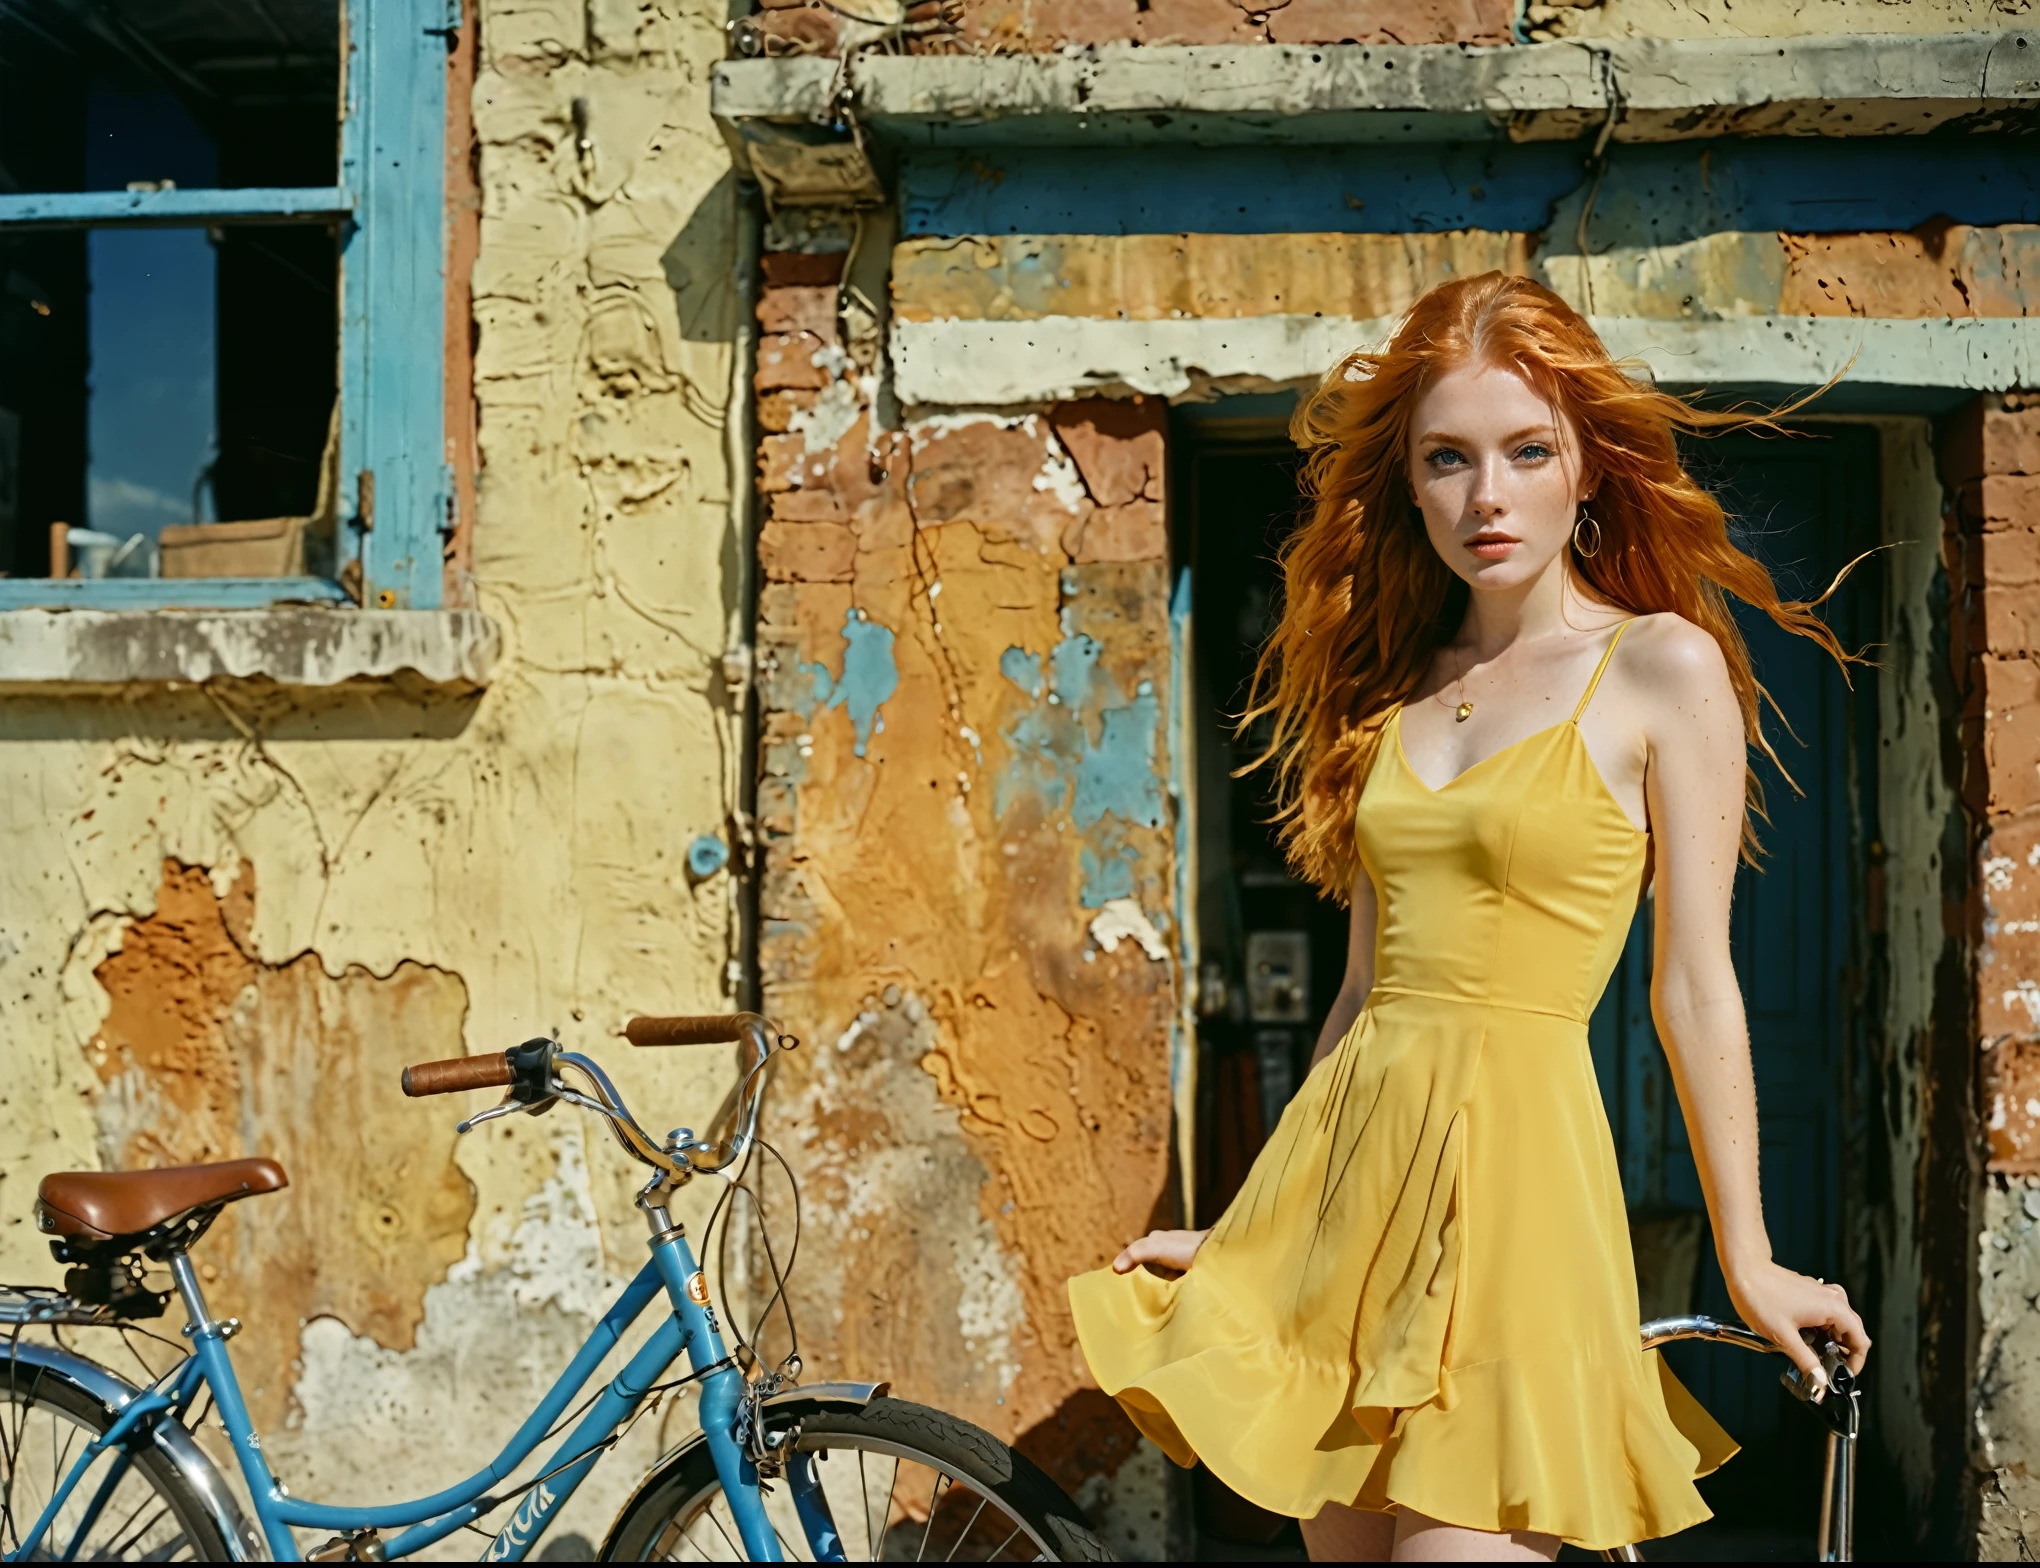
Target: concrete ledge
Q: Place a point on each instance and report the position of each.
(290, 645)
(1667, 89)
(994, 363)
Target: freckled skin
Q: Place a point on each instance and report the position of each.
(1497, 474)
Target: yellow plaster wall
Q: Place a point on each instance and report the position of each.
(464, 873)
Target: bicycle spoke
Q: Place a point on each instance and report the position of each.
(885, 1520)
(934, 1497)
(982, 1503)
(119, 1548)
(719, 1530)
(1003, 1545)
(864, 1487)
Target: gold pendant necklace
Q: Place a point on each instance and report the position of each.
(1463, 712)
(1465, 709)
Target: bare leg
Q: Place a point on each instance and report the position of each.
(1348, 1535)
(1420, 1539)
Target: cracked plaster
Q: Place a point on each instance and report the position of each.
(525, 843)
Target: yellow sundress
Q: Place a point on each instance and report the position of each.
(1423, 1295)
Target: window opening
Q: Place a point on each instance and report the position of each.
(169, 389)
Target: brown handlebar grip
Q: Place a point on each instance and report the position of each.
(458, 1072)
(717, 1030)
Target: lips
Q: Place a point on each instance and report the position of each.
(1492, 545)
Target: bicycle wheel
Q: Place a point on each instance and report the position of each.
(905, 1484)
(130, 1506)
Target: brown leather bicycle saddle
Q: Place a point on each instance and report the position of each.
(104, 1205)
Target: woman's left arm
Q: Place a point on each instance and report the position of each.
(1693, 781)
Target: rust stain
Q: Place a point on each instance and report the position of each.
(1939, 269)
(207, 1053)
(963, 755)
(1154, 277)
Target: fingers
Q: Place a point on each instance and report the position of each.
(1801, 1355)
(1165, 1249)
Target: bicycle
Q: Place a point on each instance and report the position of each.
(103, 1467)
(1838, 1405)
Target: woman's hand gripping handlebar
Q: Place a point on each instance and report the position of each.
(532, 1073)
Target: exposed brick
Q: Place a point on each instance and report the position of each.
(2000, 501)
(776, 410)
(1117, 445)
(788, 360)
(793, 269)
(1986, 437)
(1391, 22)
(1138, 531)
(814, 504)
(2011, 1098)
(804, 309)
(2011, 735)
(806, 29)
(780, 459)
(807, 552)
(995, 476)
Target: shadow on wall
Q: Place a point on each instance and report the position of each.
(699, 264)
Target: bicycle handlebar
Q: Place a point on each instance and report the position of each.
(716, 1029)
(458, 1072)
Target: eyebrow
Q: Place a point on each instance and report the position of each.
(1514, 435)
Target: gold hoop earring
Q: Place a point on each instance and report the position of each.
(1579, 540)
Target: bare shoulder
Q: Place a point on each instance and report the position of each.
(1669, 658)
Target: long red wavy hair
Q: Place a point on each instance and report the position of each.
(1366, 600)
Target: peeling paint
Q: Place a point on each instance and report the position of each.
(1122, 919)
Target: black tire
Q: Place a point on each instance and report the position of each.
(989, 1504)
(151, 1516)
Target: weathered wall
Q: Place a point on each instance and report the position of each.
(1766, 18)
(1907, 1247)
(229, 914)
(1040, 26)
(1992, 460)
(967, 825)
(1013, 281)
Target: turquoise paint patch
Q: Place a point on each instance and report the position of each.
(1108, 869)
(1023, 669)
(870, 677)
(1034, 769)
(1070, 669)
(1117, 775)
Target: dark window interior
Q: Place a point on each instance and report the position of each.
(159, 376)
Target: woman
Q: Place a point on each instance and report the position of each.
(1507, 696)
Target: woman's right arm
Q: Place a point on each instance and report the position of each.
(1174, 1249)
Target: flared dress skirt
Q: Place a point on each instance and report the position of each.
(1423, 1295)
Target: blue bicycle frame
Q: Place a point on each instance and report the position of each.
(690, 1327)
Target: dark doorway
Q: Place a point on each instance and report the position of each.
(1272, 953)
(1805, 506)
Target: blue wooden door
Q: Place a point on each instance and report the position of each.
(1804, 507)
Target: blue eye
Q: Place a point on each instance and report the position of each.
(1445, 457)
(1533, 450)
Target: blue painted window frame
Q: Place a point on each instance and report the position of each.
(396, 486)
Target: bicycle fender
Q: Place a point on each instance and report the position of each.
(112, 1392)
(818, 1396)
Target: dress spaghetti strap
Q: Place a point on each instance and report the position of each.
(1601, 669)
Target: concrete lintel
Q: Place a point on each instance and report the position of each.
(41, 650)
(1667, 89)
(992, 363)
